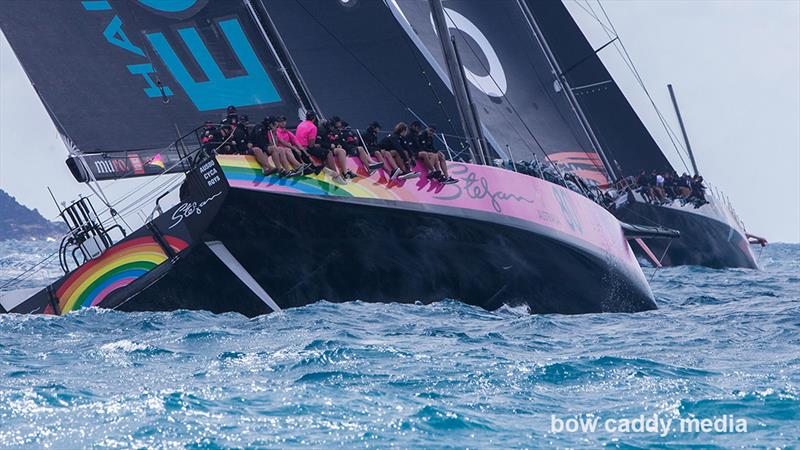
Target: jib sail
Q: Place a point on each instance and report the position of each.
(359, 63)
(624, 138)
(129, 77)
(510, 80)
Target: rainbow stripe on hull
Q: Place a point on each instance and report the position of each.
(244, 172)
(481, 188)
(117, 267)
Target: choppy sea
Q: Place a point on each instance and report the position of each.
(723, 348)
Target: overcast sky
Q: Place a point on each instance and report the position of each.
(735, 66)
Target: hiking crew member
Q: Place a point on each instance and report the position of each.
(348, 140)
(263, 136)
(336, 166)
(287, 139)
(425, 152)
(397, 145)
(306, 131)
(339, 152)
(371, 141)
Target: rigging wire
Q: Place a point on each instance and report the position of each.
(28, 272)
(570, 125)
(351, 53)
(424, 72)
(510, 104)
(125, 211)
(619, 46)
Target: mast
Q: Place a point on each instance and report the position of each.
(465, 106)
(562, 79)
(270, 33)
(683, 129)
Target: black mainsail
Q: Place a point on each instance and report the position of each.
(624, 138)
(518, 99)
(130, 77)
(361, 65)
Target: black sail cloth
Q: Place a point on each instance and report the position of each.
(120, 76)
(510, 80)
(624, 138)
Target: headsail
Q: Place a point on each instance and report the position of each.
(359, 63)
(132, 76)
(511, 81)
(624, 138)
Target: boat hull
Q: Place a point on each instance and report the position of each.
(302, 249)
(256, 244)
(708, 236)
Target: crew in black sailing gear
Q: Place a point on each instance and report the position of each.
(398, 146)
(423, 145)
(371, 142)
(265, 154)
(349, 141)
(326, 138)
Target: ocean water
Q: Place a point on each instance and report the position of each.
(723, 347)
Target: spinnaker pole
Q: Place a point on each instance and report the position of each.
(683, 129)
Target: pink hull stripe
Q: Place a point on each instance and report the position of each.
(480, 188)
(111, 288)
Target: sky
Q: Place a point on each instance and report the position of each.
(735, 66)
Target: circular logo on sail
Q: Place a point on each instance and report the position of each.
(494, 83)
(179, 9)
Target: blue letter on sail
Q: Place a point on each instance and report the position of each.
(253, 88)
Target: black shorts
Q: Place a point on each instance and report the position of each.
(320, 153)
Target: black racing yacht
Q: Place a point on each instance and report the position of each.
(711, 233)
(128, 85)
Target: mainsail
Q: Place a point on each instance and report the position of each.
(624, 138)
(511, 81)
(360, 64)
(131, 76)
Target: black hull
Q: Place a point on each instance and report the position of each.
(706, 240)
(302, 249)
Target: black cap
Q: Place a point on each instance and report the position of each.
(231, 109)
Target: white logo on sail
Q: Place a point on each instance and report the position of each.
(494, 83)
